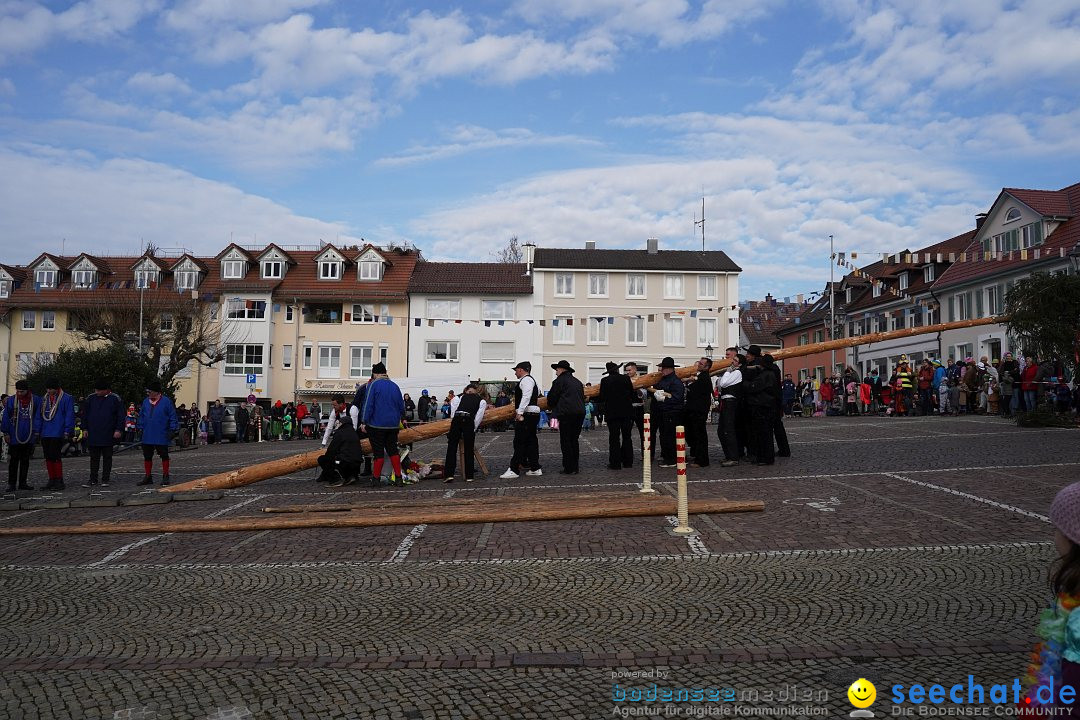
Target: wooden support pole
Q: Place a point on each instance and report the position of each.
(294, 463)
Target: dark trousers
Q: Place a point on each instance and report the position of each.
(51, 448)
(149, 450)
(526, 446)
(100, 456)
(668, 421)
(19, 465)
(330, 465)
(215, 429)
(697, 437)
(725, 429)
(569, 432)
(637, 418)
(620, 444)
(780, 434)
(383, 440)
(743, 429)
(761, 421)
(462, 430)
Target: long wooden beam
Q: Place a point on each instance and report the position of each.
(295, 463)
(628, 506)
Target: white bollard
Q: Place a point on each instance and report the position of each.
(646, 463)
(680, 470)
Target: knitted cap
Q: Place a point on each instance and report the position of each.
(1065, 512)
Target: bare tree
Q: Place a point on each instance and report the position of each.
(509, 254)
(176, 328)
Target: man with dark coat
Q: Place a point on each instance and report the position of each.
(669, 401)
(341, 462)
(104, 414)
(618, 395)
(243, 417)
(466, 413)
(217, 420)
(423, 406)
(566, 401)
(763, 399)
(698, 406)
(637, 413)
(783, 448)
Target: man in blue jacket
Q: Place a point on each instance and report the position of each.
(380, 418)
(104, 422)
(57, 425)
(158, 422)
(21, 426)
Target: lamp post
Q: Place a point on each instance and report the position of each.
(709, 351)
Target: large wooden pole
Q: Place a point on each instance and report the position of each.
(294, 463)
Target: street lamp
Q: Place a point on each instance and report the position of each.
(709, 351)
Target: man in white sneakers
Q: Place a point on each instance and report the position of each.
(527, 417)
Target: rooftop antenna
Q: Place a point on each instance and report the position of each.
(701, 222)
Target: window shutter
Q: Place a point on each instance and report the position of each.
(952, 308)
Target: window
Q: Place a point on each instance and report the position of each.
(83, 278)
(441, 351)
(932, 317)
(877, 289)
(928, 274)
(146, 279)
(562, 332)
(384, 353)
(598, 331)
(239, 309)
(329, 270)
(1012, 215)
(995, 299)
(272, 268)
(360, 361)
(290, 313)
(329, 361)
(5, 288)
(598, 284)
(286, 356)
(371, 270)
(673, 328)
(165, 322)
(215, 310)
(706, 287)
(1002, 242)
(363, 314)
(73, 322)
(186, 279)
(232, 269)
(502, 352)
(45, 358)
(323, 314)
(635, 285)
(706, 332)
(673, 287)
(819, 336)
(1031, 235)
(444, 309)
(960, 307)
(903, 281)
(243, 359)
(804, 375)
(48, 319)
(29, 320)
(45, 278)
(497, 309)
(24, 362)
(804, 339)
(819, 373)
(961, 352)
(635, 331)
(307, 357)
(564, 284)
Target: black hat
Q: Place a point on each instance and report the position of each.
(52, 382)
(22, 385)
(612, 368)
(102, 384)
(154, 386)
(524, 365)
(667, 362)
(378, 369)
(562, 364)
(754, 350)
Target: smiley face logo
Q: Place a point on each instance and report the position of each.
(862, 693)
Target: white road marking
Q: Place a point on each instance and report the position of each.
(696, 544)
(18, 515)
(406, 545)
(969, 496)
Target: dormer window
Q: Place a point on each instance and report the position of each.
(903, 281)
(847, 295)
(83, 278)
(5, 288)
(232, 269)
(186, 279)
(329, 270)
(272, 269)
(877, 290)
(45, 278)
(371, 270)
(928, 273)
(145, 278)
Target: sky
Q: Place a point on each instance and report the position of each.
(190, 124)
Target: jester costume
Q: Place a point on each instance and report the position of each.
(57, 425)
(22, 425)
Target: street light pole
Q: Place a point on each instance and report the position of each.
(832, 306)
(142, 288)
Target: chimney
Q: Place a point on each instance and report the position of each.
(652, 245)
(980, 218)
(590, 244)
(528, 255)
(769, 299)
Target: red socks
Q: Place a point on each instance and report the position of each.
(395, 460)
(148, 467)
(54, 469)
(164, 467)
(376, 470)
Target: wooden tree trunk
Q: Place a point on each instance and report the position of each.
(426, 431)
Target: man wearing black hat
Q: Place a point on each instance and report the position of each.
(669, 400)
(104, 414)
(698, 406)
(566, 401)
(763, 398)
(21, 427)
(526, 455)
(380, 417)
(57, 426)
(618, 395)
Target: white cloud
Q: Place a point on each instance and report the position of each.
(113, 206)
(162, 83)
(465, 139)
(7, 86)
(27, 26)
(198, 15)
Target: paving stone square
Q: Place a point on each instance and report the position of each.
(897, 549)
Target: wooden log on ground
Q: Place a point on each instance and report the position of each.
(629, 506)
(397, 502)
(294, 463)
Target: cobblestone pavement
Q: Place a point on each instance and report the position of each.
(900, 550)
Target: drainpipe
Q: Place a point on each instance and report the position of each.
(940, 355)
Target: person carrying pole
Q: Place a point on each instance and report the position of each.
(466, 413)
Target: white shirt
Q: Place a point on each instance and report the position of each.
(332, 423)
(527, 385)
(731, 376)
(479, 412)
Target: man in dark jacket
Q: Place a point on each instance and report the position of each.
(763, 399)
(217, 420)
(783, 448)
(341, 462)
(566, 401)
(104, 422)
(243, 417)
(618, 395)
(669, 400)
(698, 406)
